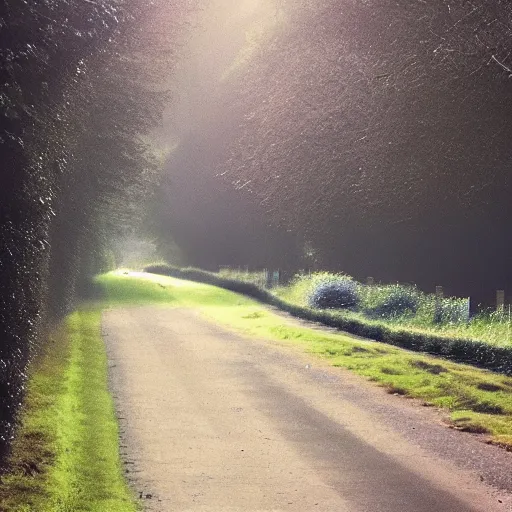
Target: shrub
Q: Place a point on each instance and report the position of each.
(451, 310)
(392, 301)
(336, 293)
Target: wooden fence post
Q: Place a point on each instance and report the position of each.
(268, 278)
(468, 310)
(500, 301)
(438, 313)
(275, 278)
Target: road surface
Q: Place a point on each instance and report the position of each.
(212, 421)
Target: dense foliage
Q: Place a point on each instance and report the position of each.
(81, 84)
(334, 292)
(377, 130)
(391, 301)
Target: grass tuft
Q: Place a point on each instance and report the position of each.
(436, 369)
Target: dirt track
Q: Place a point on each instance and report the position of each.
(212, 421)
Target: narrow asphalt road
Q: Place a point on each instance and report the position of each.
(212, 421)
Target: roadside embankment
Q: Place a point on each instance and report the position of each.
(469, 351)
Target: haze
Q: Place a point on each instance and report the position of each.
(378, 134)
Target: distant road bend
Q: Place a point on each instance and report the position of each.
(212, 421)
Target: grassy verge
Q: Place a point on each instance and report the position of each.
(477, 400)
(65, 456)
(477, 352)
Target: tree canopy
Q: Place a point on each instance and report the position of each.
(377, 131)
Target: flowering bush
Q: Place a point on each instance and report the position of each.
(334, 293)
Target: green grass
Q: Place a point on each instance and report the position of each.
(65, 457)
(135, 288)
(477, 400)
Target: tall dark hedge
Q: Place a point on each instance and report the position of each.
(80, 86)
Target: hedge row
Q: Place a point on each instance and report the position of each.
(473, 352)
